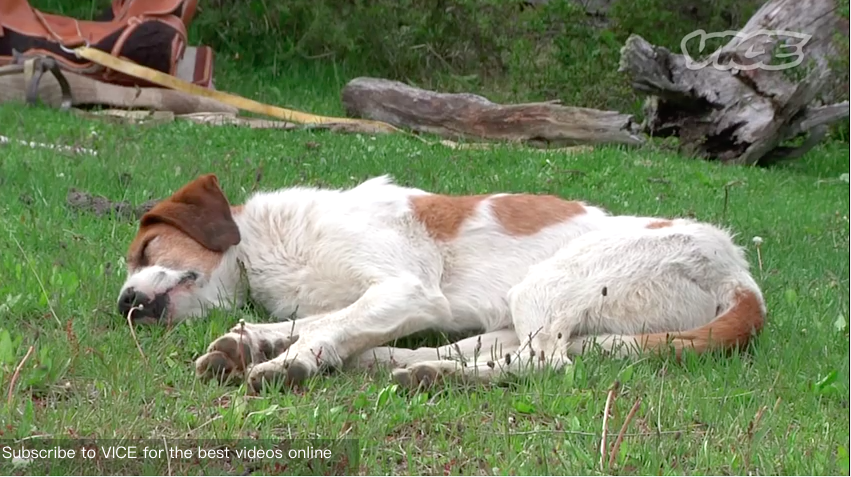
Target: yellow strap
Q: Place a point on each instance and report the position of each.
(168, 81)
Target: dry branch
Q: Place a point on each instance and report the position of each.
(616, 447)
(733, 109)
(15, 375)
(472, 117)
(610, 399)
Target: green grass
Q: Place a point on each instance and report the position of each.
(60, 272)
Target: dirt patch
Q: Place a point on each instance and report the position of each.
(101, 206)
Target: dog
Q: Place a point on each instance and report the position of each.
(542, 278)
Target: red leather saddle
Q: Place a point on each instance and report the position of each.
(148, 32)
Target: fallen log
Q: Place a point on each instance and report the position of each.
(86, 91)
(152, 105)
(739, 105)
(473, 117)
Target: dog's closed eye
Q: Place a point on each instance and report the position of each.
(142, 258)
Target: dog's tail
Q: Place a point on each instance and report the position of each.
(732, 329)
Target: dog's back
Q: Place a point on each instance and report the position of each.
(318, 249)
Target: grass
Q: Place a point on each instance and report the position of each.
(780, 408)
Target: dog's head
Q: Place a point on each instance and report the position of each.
(174, 260)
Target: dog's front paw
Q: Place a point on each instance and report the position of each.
(279, 374)
(304, 359)
(231, 355)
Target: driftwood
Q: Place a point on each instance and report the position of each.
(472, 117)
(729, 106)
(89, 92)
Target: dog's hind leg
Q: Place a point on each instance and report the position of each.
(542, 347)
(534, 346)
(533, 355)
(484, 347)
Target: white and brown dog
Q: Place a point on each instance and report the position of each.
(539, 276)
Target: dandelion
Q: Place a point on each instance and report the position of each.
(758, 242)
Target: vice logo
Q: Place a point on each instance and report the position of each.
(790, 46)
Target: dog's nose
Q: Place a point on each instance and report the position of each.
(130, 298)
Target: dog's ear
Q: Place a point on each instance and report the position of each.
(200, 210)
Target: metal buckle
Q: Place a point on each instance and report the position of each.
(41, 65)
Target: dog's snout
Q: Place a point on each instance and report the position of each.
(146, 309)
(131, 298)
